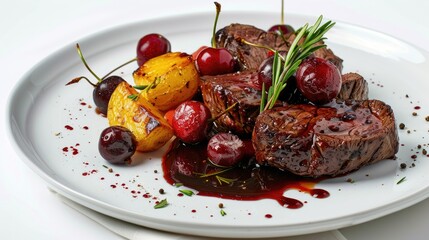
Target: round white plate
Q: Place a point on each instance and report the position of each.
(42, 107)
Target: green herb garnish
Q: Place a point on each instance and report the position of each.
(401, 180)
(302, 47)
(133, 97)
(186, 192)
(222, 212)
(213, 173)
(140, 87)
(224, 180)
(163, 203)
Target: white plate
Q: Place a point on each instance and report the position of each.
(41, 106)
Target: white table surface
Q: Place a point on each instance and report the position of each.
(31, 30)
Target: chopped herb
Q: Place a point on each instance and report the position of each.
(163, 203)
(186, 192)
(140, 87)
(133, 97)
(178, 184)
(224, 180)
(153, 85)
(214, 173)
(222, 212)
(400, 181)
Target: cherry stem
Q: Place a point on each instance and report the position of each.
(118, 67)
(223, 112)
(260, 46)
(282, 20)
(75, 80)
(84, 62)
(218, 8)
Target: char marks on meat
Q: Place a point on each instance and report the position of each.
(325, 141)
(250, 57)
(221, 92)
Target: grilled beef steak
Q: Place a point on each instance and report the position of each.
(315, 141)
(221, 92)
(250, 57)
(353, 86)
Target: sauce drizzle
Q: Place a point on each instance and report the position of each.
(187, 164)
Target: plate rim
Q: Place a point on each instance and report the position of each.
(115, 211)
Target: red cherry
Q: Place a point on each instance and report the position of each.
(225, 149)
(196, 53)
(150, 46)
(103, 91)
(265, 73)
(191, 121)
(117, 144)
(215, 61)
(318, 79)
(281, 29)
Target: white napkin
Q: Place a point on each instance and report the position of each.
(136, 232)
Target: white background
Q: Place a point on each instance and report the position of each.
(31, 30)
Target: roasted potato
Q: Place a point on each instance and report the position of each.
(148, 125)
(171, 79)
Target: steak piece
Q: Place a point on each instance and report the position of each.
(222, 91)
(250, 57)
(353, 86)
(325, 141)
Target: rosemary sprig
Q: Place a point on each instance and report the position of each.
(302, 46)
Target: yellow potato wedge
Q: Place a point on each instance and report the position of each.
(148, 125)
(171, 78)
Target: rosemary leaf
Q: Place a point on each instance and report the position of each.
(140, 87)
(401, 180)
(163, 203)
(225, 180)
(133, 97)
(187, 192)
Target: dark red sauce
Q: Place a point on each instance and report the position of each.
(187, 164)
